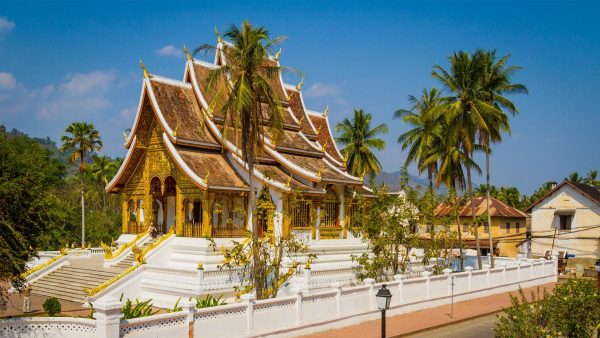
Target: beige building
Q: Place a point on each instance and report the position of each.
(567, 219)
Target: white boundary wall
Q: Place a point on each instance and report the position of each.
(295, 315)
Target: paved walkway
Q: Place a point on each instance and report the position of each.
(15, 307)
(429, 318)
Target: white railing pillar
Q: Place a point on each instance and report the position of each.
(249, 299)
(487, 268)
(307, 276)
(530, 260)
(189, 306)
(555, 266)
(400, 279)
(519, 270)
(200, 275)
(502, 265)
(371, 283)
(427, 276)
(108, 317)
(469, 270)
(337, 286)
(299, 307)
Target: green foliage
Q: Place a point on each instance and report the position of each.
(138, 309)
(176, 307)
(388, 225)
(360, 140)
(209, 301)
(572, 311)
(52, 306)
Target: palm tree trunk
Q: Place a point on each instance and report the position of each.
(257, 265)
(460, 243)
(487, 204)
(81, 172)
(476, 230)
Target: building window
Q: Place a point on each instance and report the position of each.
(508, 227)
(465, 228)
(331, 211)
(565, 222)
(486, 228)
(300, 214)
(518, 227)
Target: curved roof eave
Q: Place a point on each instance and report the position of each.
(199, 182)
(109, 187)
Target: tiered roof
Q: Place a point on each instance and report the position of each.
(305, 156)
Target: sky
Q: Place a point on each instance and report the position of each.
(78, 61)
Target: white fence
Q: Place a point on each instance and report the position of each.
(302, 313)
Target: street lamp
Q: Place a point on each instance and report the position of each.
(383, 297)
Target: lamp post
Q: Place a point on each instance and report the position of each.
(383, 297)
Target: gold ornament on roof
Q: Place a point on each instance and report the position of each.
(323, 147)
(299, 85)
(175, 131)
(219, 38)
(301, 120)
(362, 176)
(146, 73)
(277, 55)
(125, 136)
(320, 171)
(319, 130)
(326, 111)
(206, 178)
(188, 56)
(287, 184)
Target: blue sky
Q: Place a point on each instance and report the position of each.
(62, 62)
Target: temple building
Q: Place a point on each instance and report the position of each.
(183, 173)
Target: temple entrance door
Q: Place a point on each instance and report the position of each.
(170, 212)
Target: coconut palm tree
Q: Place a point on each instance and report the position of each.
(81, 138)
(496, 83)
(101, 169)
(248, 103)
(466, 112)
(592, 177)
(575, 177)
(360, 140)
(425, 134)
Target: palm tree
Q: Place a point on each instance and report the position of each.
(425, 134)
(101, 169)
(466, 112)
(359, 140)
(591, 178)
(249, 104)
(81, 138)
(496, 84)
(575, 177)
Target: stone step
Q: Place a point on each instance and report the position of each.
(60, 295)
(69, 277)
(83, 271)
(74, 285)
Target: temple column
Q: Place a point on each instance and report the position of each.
(207, 201)
(347, 204)
(340, 193)
(287, 216)
(277, 212)
(125, 215)
(179, 210)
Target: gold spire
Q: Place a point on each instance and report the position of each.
(277, 55)
(219, 38)
(287, 184)
(188, 56)
(326, 111)
(206, 178)
(299, 85)
(146, 73)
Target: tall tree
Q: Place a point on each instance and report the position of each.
(81, 138)
(592, 178)
(248, 103)
(101, 169)
(466, 111)
(496, 83)
(575, 177)
(425, 133)
(359, 140)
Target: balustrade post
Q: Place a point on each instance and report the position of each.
(200, 273)
(518, 271)
(555, 266)
(503, 266)
(487, 268)
(371, 283)
(530, 260)
(307, 276)
(298, 306)
(107, 313)
(400, 279)
(447, 273)
(337, 286)
(189, 307)
(469, 270)
(427, 275)
(249, 299)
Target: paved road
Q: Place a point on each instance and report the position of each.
(481, 327)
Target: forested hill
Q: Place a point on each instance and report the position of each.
(392, 180)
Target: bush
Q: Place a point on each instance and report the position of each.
(572, 311)
(209, 301)
(138, 309)
(52, 306)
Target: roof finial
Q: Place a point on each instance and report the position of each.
(326, 111)
(125, 136)
(188, 56)
(175, 131)
(219, 38)
(299, 85)
(146, 73)
(277, 55)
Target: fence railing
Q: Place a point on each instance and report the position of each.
(301, 313)
(192, 229)
(227, 232)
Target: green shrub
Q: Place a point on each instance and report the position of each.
(209, 301)
(52, 306)
(138, 309)
(572, 311)
(176, 307)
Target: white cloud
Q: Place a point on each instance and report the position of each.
(81, 83)
(6, 26)
(7, 81)
(323, 90)
(169, 50)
